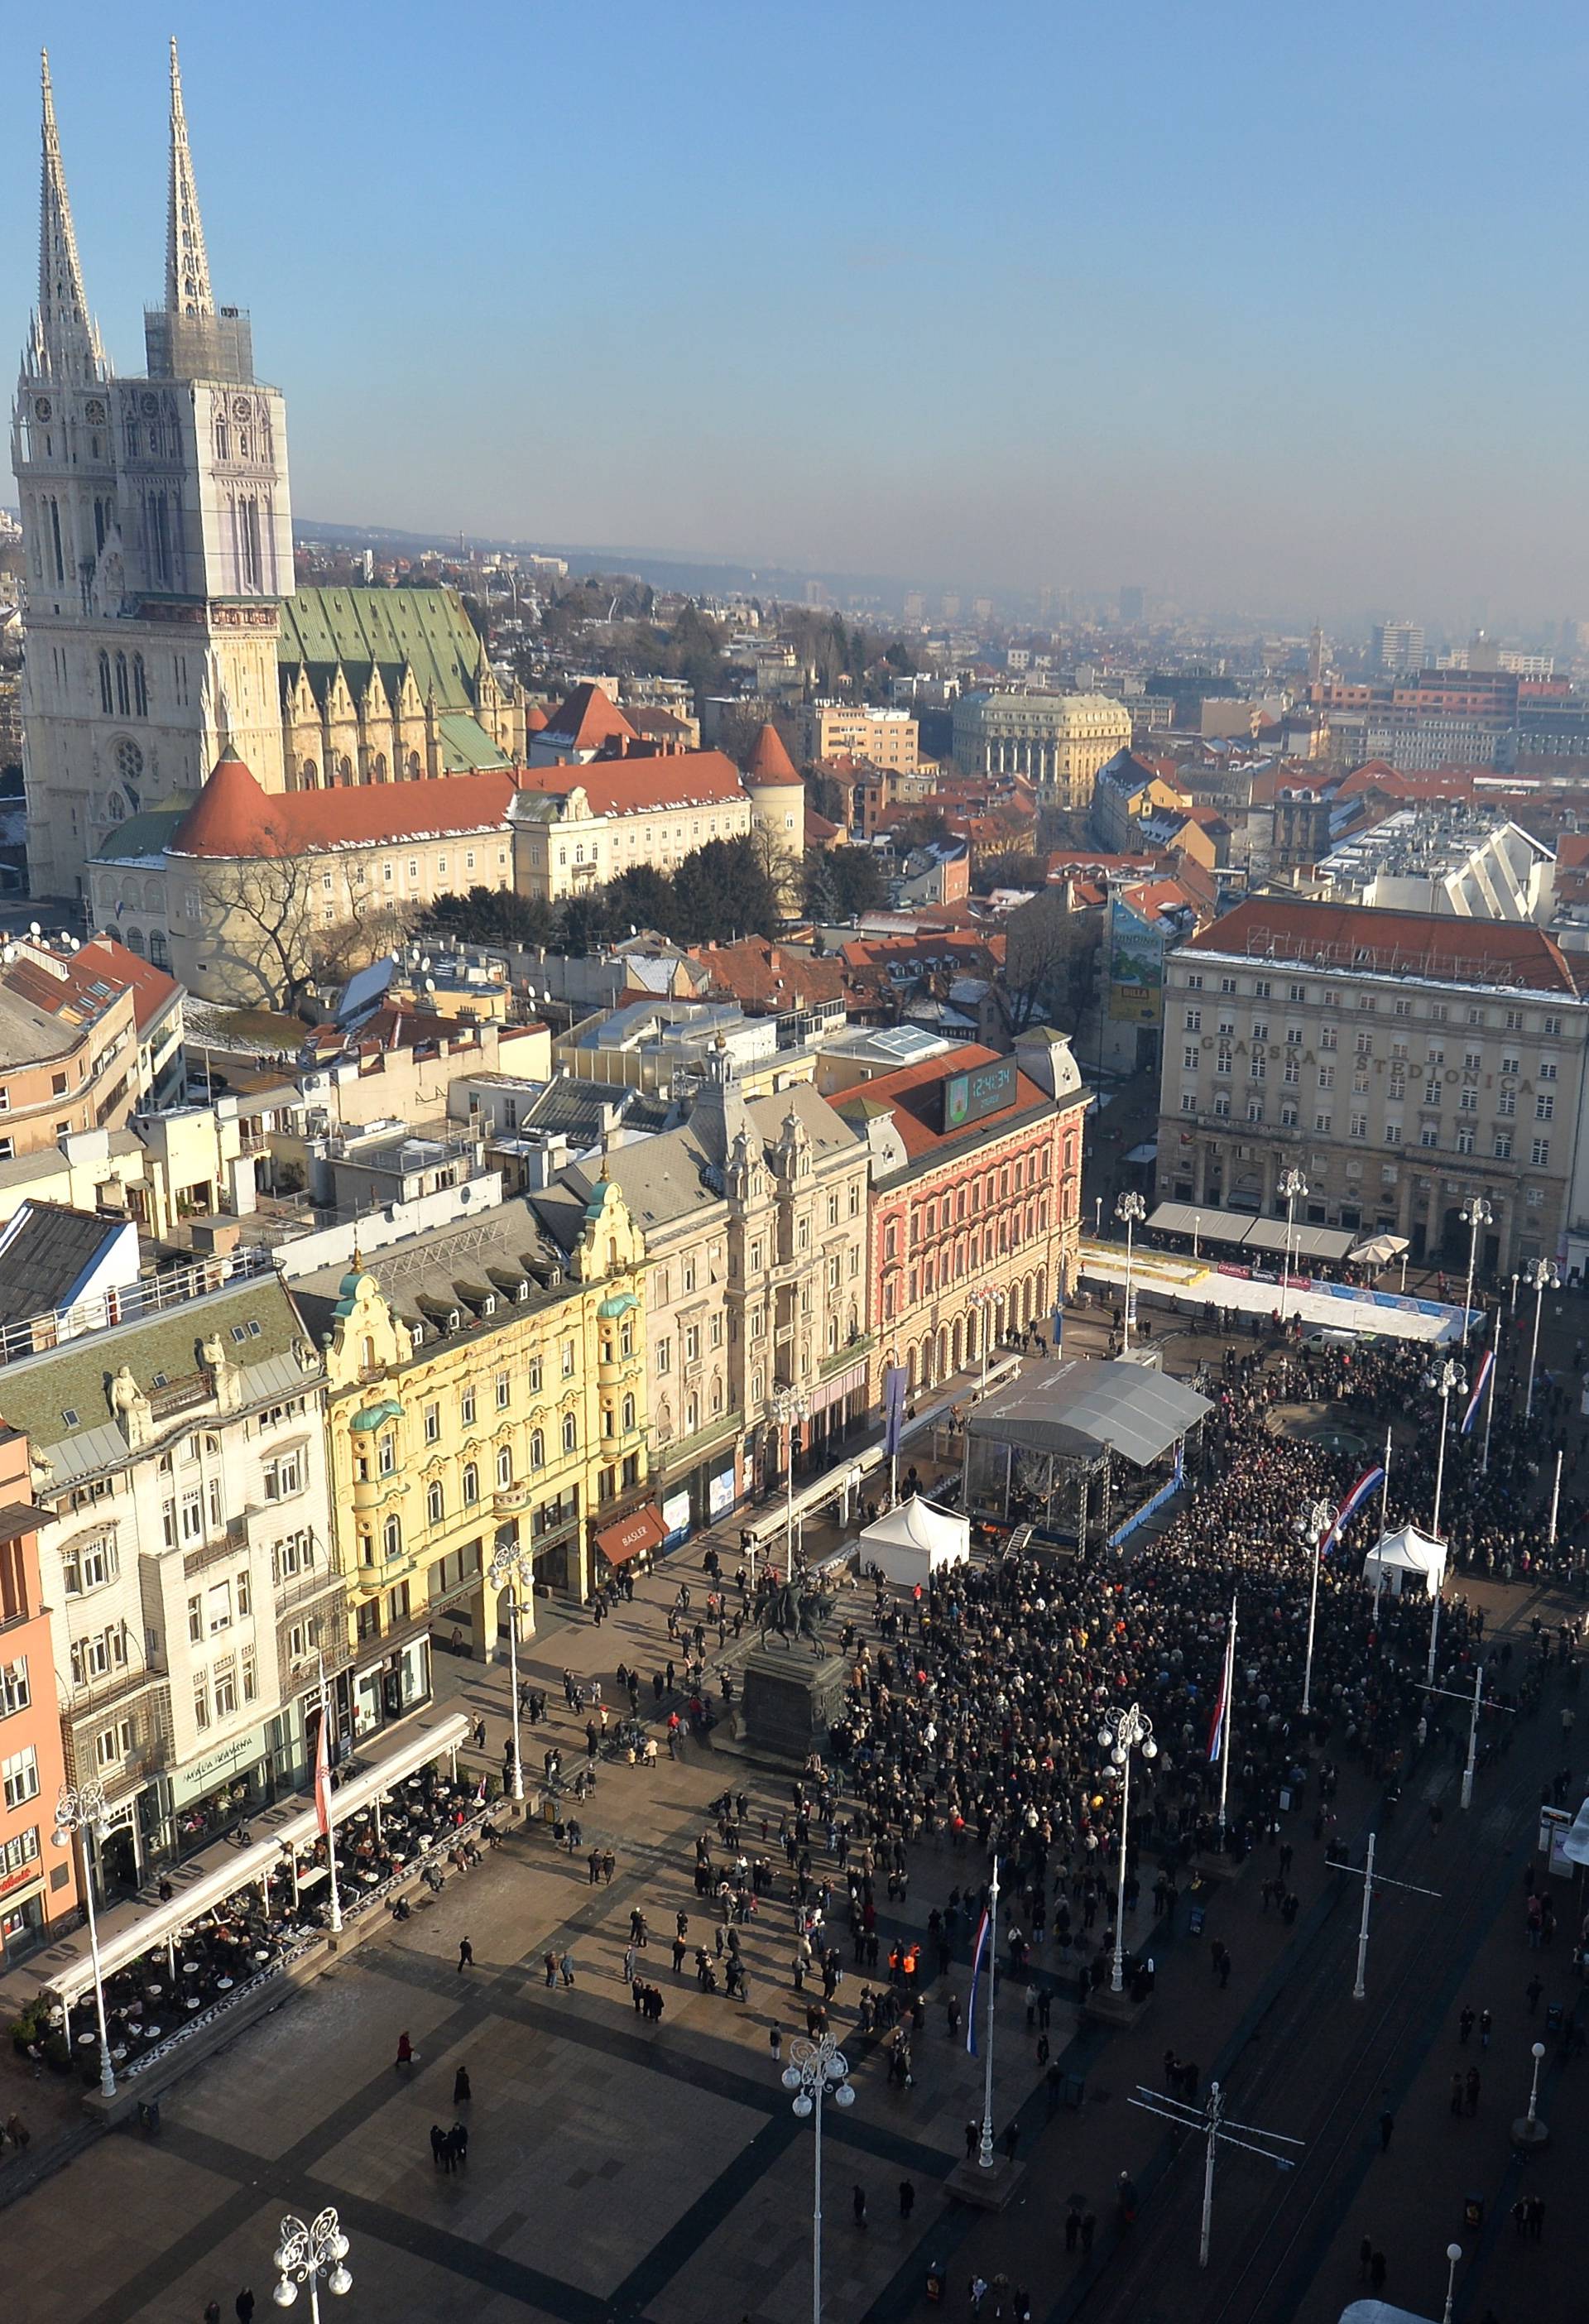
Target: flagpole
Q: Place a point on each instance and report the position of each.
(323, 1786)
(1225, 1740)
(1489, 1414)
(1384, 1522)
(985, 2157)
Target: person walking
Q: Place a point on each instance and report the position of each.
(466, 1955)
(438, 2146)
(461, 2092)
(243, 2305)
(858, 2206)
(405, 2053)
(907, 2199)
(1387, 2124)
(1473, 2090)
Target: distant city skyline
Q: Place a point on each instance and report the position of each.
(1207, 307)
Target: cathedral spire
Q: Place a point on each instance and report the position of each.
(187, 262)
(65, 343)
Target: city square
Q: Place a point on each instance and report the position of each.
(620, 2168)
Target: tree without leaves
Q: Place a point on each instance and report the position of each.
(1049, 961)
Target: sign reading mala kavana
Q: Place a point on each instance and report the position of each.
(989, 1088)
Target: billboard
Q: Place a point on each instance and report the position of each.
(1136, 966)
(987, 1089)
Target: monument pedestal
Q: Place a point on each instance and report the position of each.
(1528, 2137)
(1115, 2008)
(985, 2191)
(788, 1701)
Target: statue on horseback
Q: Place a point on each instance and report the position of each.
(790, 1610)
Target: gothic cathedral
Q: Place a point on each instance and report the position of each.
(158, 537)
(162, 613)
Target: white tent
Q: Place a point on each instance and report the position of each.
(914, 1541)
(1399, 1558)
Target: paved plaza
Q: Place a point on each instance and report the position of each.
(619, 2170)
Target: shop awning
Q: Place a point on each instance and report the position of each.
(19, 1518)
(632, 1536)
(130, 1931)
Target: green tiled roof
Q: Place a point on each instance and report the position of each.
(142, 835)
(426, 628)
(466, 746)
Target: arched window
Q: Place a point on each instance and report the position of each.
(537, 1449)
(309, 776)
(123, 697)
(134, 940)
(344, 769)
(413, 766)
(717, 1399)
(434, 1505)
(570, 1432)
(471, 1483)
(628, 1414)
(378, 767)
(158, 951)
(692, 1415)
(392, 1537)
(106, 702)
(504, 1467)
(140, 687)
(758, 1390)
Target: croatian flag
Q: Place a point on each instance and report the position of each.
(976, 1958)
(1477, 1399)
(1221, 1705)
(323, 1771)
(1349, 1507)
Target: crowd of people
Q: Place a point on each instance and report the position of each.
(978, 1712)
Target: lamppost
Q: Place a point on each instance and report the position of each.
(1131, 1210)
(304, 2255)
(1312, 1525)
(816, 2070)
(1476, 1216)
(1541, 1276)
(1528, 2130)
(1453, 2255)
(1133, 1730)
(80, 1810)
(507, 1564)
(1447, 1380)
(984, 1299)
(1294, 1188)
(789, 1406)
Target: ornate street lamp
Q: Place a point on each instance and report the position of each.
(1294, 1188)
(1132, 1731)
(507, 1564)
(816, 2069)
(1131, 1210)
(80, 1810)
(304, 2255)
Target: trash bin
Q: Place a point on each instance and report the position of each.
(1472, 2211)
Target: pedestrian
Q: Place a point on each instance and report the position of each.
(461, 2093)
(907, 2199)
(1072, 2228)
(1012, 2139)
(1485, 2029)
(978, 2292)
(858, 2205)
(1089, 2229)
(212, 2312)
(466, 1955)
(1473, 2090)
(1464, 2026)
(775, 2043)
(437, 2145)
(243, 2304)
(1387, 2124)
(1535, 2213)
(973, 2140)
(405, 2053)
(458, 2142)
(1456, 2094)
(1534, 1990)
(566, 1967)
(550, 1962)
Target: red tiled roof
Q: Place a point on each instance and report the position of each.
(819, 830)
(588, 718)
(534, 719)
(762, 975)
(1395, 943)
(769, 762)
(153, 989)
(233, 818)
(653, 784)
(914, 1097)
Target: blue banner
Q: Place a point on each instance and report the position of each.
(895, 1381)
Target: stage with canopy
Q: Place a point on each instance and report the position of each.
(1079, 1451)
(916, 1541)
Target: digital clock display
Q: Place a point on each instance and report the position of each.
(985, 1089)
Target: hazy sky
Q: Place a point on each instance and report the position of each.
(1273, 307)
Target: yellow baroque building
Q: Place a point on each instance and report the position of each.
(486, 1401)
